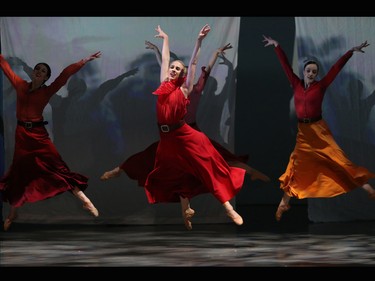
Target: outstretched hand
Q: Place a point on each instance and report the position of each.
(93, 56)
(161, 33)
(204, 31)
(269, 41)
(360, 47)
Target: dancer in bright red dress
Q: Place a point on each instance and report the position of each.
(139, 165)
(186, 162)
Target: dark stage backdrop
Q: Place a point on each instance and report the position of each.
(263, 129)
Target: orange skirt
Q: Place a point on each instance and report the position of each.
(318, 167)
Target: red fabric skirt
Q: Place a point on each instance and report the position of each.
(37, 171)
(318, 167)
(186, 165)
(139, 165)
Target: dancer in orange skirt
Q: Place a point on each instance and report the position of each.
(317, 167)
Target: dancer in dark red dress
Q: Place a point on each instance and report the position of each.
(38, 172)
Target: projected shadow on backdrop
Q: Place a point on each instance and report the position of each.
(214, 114)
(85, 113)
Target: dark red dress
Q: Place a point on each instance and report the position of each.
(37, 171)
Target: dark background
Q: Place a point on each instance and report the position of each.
(262, 105)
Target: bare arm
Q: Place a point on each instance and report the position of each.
(216, 54)
(165, 55)
(187, 87)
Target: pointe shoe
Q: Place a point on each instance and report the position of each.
(256, 175)
(91, 208)
(280, 210)
(372, 196)
(8, 222)
(187, 215)
(235, 217)
(111, 174)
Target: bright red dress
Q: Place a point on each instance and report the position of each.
(186, 162)
(139, 165)
(37, 171)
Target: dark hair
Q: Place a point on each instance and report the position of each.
(310, 62)
(47, 66)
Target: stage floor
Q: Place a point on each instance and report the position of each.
(292, 242)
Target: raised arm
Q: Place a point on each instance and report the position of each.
(187, 87)
(68, 71)
(92, 57)
(337, 67)
(269, 41)
(360, 47)
(215, 55)
(165, 55)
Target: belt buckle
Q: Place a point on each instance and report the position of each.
(306, 120)
(28, 125)
(164, 128)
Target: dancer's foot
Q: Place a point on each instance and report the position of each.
(8, 221)
(91, 208)
(187, 215)
(235, 217)
(280, 210)
(256, 175)
(111, 174)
